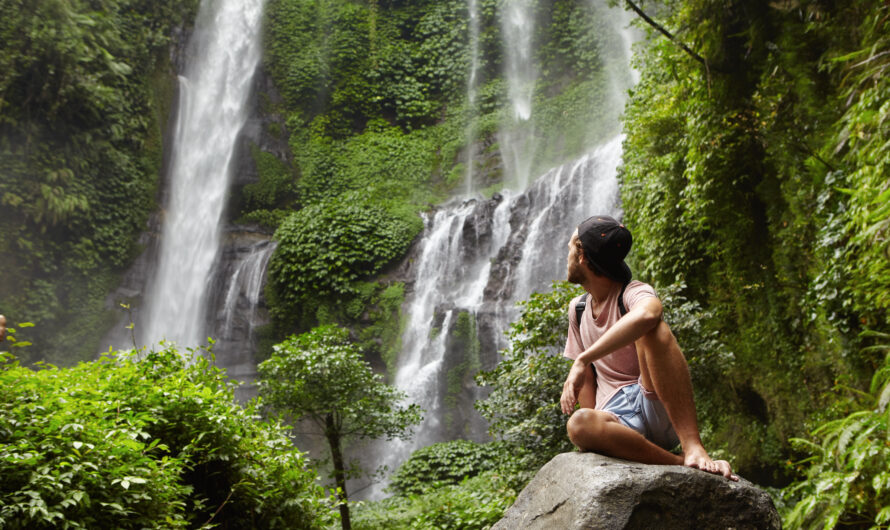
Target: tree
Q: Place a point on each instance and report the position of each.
(322, 377)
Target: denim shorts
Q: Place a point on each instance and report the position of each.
(644, 414)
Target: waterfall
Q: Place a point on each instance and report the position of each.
(481, 257)
(472, 85)
(238, 297)
(518, 25)
(517, 146)
(477, 257)
(239, 311)
(223, 55)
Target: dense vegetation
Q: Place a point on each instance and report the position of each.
(85, 91)
(377, 112)
(124, 442)
(754, 183)
(847, 479)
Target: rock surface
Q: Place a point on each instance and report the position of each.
(587, 490)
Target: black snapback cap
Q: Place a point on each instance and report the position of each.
(606, 243)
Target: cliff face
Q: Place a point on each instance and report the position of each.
(587, 490)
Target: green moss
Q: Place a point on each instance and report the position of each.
(383, 335)
(463, 345)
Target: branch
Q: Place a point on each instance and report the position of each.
(220, 507)
(667, 34)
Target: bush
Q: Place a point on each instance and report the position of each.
(475, 503)
(160, 442)
(325, 249)
(447, 463)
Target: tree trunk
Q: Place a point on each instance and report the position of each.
(339, 470)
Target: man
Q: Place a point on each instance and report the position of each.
(629, 375)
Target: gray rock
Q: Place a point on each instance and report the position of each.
(587, 490)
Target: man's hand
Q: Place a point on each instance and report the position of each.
(571, 388)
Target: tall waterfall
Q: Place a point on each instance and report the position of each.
(472, 87)
(516, 136)
(478, 257)
(223, 55)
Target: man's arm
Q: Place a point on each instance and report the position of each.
(637, 322)
(587, 393)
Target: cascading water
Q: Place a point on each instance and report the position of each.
(472, 85)
(238, 297)
(477, 257)
(517, 147)
(223, 55)
(518, 25)
(246, 284)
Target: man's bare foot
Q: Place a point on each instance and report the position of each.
(698, 458)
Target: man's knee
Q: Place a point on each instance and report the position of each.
(585, 427)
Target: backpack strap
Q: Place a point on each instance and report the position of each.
(621, 309)
(582, 305)
(579, 310)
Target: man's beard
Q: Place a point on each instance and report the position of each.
(575, 274)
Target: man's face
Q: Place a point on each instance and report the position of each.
(574, 269)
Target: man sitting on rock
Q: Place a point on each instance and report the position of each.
(629, 375)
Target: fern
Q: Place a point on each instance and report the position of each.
(847, 479)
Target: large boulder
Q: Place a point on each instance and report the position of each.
(587, 490)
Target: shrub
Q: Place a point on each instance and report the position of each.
(475, 503)
(324, 249)
(160, 442)
(446, 463)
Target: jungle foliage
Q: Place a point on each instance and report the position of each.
(756, 181)
(447, 463)
(523, 406)
(474, 504)
(145, 440)
(847, 479)
(84, 94)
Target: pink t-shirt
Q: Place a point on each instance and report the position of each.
(619, 368)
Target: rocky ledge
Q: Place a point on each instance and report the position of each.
(587, 490)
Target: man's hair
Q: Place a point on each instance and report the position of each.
(590, 264)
